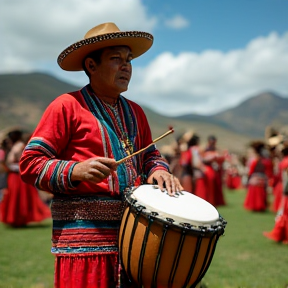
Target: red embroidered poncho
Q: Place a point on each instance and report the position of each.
(86, 216)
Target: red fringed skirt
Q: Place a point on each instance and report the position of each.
(21, 203)
(233, 181)
(87, 270)
(256, 197)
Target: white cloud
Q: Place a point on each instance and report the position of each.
(34, 31)
(177, 22)
(212, 80)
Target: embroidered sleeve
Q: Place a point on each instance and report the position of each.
(51, 174)
(40, 163)
(154, 161)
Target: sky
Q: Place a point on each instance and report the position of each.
(207, 55)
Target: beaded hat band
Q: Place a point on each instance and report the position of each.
(101, 36)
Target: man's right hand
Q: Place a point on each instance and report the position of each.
(94, 169)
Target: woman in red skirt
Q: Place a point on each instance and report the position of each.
(280, 230)
(21, 202)
(281, 176)
(256, 198)
(213, 160)
(193, 178)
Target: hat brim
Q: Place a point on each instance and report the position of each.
(274, 141)
(72, 57)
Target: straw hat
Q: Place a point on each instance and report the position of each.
(275, 140)
(101, 36)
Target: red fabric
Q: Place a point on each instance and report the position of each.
(185, 158)
(86, 271)
(200, 185)
(256, 197)
(90, 237)
(21, 203)
(214, 176)
(201, 188)
(69, 115)
(233, 179)
(69, 131)
(280, 230)
(269, 170)
(278, 188)
(210, 184)
(219, 197)
(278, 194)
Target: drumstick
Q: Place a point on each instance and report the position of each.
(171, 130)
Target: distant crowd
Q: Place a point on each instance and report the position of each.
(202, 168)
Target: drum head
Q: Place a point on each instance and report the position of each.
(186, 208)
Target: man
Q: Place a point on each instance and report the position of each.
(73, 154)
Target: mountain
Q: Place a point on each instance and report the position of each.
(24, 98)
(251, 117)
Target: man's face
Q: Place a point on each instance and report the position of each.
(113, 74)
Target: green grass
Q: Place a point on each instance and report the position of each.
(25, 258)
(243, 257)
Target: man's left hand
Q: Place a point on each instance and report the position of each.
(172, 184)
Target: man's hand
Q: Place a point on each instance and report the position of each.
(94, 169)
(172, 184)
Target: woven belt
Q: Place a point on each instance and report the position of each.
(87, 208)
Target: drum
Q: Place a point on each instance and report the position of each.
(167, 241)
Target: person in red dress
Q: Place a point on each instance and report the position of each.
(73, 154)
(186, 165)
(280, 231)
(256, 197)
(282, 166)
(232, 177)
(21, 202)
(213, 161)
(233, 171)
(192, 163)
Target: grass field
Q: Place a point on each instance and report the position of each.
(243, 257)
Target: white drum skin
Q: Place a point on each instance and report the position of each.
(184, 207)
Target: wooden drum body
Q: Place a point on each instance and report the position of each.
(161, 248)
